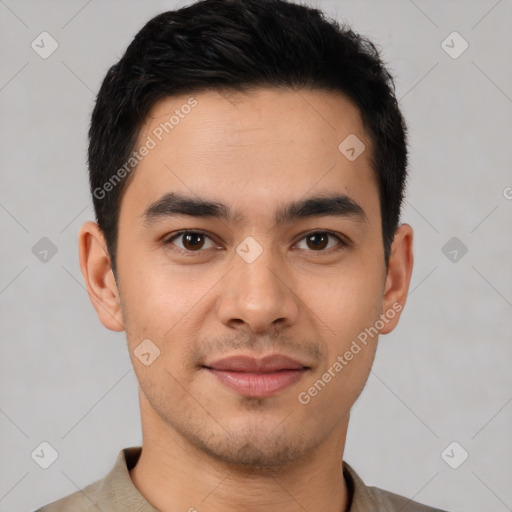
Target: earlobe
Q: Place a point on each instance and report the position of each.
(398, 277)
(98, 276)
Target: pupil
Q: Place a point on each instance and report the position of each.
(320, 245)
(191, 240)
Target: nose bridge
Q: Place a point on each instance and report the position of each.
(258, 293)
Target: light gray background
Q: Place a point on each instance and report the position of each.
(443, 375)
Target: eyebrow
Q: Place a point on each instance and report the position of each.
(173, 203)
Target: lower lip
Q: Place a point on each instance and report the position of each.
(258, 385)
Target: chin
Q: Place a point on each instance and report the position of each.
(251, 456)
(254, 448)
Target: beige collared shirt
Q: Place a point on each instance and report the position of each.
(116, 493)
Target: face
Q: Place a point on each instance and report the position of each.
(250, 256)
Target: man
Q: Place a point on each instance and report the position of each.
(247, 165)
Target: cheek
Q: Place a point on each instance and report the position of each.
(161, 301)
(344, 303)
(347, 309)
(351, 341)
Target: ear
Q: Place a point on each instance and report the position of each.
(398, 277)
(98, 276)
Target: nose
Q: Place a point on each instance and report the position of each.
(259, 295)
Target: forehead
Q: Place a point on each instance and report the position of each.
(220, 122)
(253, 147)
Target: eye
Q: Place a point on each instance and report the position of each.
(197, 241)
(191, 241)
(318, 241)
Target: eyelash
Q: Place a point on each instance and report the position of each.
(168, 241)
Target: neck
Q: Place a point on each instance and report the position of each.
(174, 475)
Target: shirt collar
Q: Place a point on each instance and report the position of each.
(126, 496)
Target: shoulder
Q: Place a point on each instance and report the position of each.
(85, 500)
(395, 502)
(112, 493)
(373, 499)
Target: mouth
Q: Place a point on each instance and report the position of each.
(257, 378)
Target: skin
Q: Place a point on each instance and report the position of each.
(203, 442)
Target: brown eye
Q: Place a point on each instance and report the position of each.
(319, 240)
(191, 241)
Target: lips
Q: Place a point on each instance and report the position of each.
(253, 377)
(272, 363)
